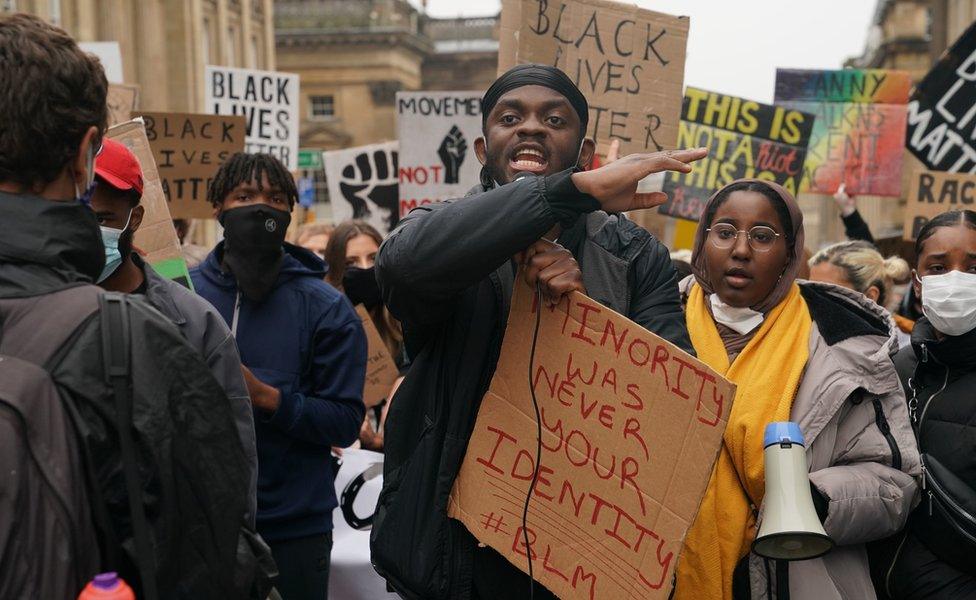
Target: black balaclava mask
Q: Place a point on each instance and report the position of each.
(253, 238)
(361, 287)
(532, 74)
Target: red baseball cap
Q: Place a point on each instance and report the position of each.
(118, 167)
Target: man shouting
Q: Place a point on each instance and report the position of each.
(447, 273)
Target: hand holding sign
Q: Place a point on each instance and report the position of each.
(615, 185)
(553, 268)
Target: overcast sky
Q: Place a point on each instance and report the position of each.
(734, 46)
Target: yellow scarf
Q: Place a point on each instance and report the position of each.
(768, 373)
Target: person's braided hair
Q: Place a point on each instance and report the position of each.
(242, 167)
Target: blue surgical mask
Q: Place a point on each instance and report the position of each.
(85, 196)
(113, 255)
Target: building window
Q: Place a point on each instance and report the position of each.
(231, 54)
(323, 107)
(206, 42)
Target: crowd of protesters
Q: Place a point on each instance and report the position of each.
(184, 439)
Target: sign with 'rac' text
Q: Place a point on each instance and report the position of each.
(437, 131)
(629, 63)
(631, 427)
(746, 139)
(268, 100)
(933, 193)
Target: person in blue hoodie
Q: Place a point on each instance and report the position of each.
(304, 354)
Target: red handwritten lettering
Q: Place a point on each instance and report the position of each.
(606, 416)
(610, 331)
(633, 390)
(580, 334)
(681, 369)
(490, 462)
(639, 362)
(661, 356)
(632, 429)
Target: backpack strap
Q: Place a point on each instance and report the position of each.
(115, 353)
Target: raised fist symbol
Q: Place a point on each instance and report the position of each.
(451, 151)
(372, 177)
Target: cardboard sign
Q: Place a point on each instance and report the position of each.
(437, 131)
(629, 63)
(269, 102)
(859, 132)
(381, 371)
(933, 193)
(631, 427)
(747, 139)
(189, 149)
(942, 113)
(363, 184)
(110, 55)
(156, 238)
(121, 102)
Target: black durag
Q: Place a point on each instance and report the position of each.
(532, 74)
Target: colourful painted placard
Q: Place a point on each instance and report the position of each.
(859, 132)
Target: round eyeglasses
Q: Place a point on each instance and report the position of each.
(724, 236)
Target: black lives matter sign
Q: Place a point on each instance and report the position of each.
(268, 101)
(627, 61)
(942, 111)
(188, 150)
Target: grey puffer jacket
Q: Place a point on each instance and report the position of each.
(861, 452)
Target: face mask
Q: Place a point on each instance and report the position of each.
(361, 287)
(741, 320)
(86, 196)
(949, 301)
(253, 238)
(114, 253)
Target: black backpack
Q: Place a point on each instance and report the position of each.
(52, 545)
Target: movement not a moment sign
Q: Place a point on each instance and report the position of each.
(268, 100)
(747, 139)
(631, 427)
(437, 131)
(629, 63)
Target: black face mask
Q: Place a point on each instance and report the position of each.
(361, 287)
(253, 236)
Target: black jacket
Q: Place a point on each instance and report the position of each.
(446, 274)
(195, 478)
(940, 375)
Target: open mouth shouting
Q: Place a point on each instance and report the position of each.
(528, 159)
(737, 278)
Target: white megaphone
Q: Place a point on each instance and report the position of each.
(791, 529)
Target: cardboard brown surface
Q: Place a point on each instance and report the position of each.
(629, 63)
(156, 238)
(122, 100)
(381, 371)
(188, 149)
(631, 428)
(935, 192)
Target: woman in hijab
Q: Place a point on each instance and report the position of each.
(811, 353)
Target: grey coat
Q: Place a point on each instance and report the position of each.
(203, 327)
(861, 451)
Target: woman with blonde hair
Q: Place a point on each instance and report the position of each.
(351, 255)
(858, 266)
